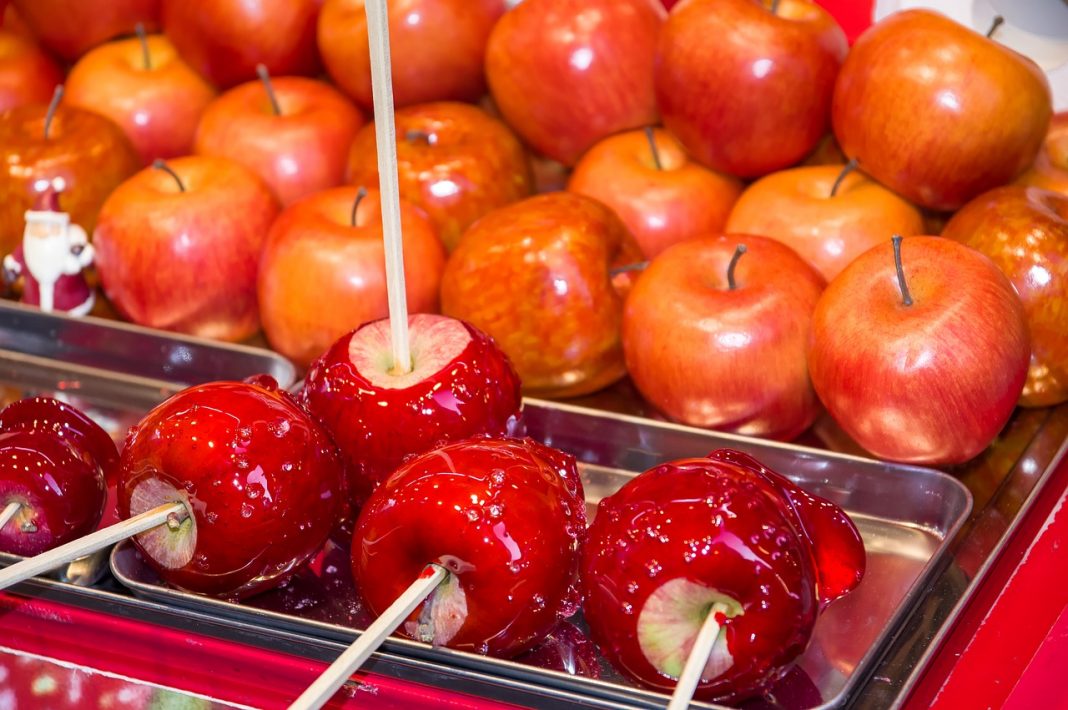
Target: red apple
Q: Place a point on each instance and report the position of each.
(86, 151)
(936, 112)
(71, 28)
(565, 76)
(298, 149)
(1050, 169)
(797, 208)
(1024, 230)
(930, 378)
(718, 535)
(453, 160)
(461, 385)
(748, 90)
(147, 90)
(27, 74)
(534, 276)
(717, 346)
(437, 48)
(322, 250)
(182, 254)
(504, 517)
(664, 197)
(260, 480)
(224, 40)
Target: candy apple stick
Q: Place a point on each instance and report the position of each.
(319, 692)
(695, 662)
(386, 135)
(9, 513)
(90, 543)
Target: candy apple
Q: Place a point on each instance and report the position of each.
(828, 226)
(716, 338)
(506, 519)
(461, 384)
(86, 151)
(327, 249)
(920, 63)
(260, 480)
(178, 248)
(660, 194)
(64, 422)
(922, 365)
(535, 276)
(748, 90)
(224, 40)
(718, 535)
(453, 160)
(565, 75)
(427, 65)
(296, 141)
(566, 649)
(1050, 170)
(27, 74)
(146, 89)
(71, 28)
(1024, 230)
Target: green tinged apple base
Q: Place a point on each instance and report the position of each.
(671, 619)
(171, 545)
(442, 615)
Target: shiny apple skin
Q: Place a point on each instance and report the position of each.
(565, 77)
(732, 360)
(477, 393)
(795, 206)
(1024, 230)
(507, 517)
(186, 261)
(27, 74)
(158, 108)
(89, 152)
(660, 206)
(224, 40)
(932, 383)
(1050, 169)
(746, 91)
(534, 276)
(437, 48)
(315, 255)
(936, 112)
(71, 28)
(262, 480)
(469, 165)
(297, 153)
(62, 421)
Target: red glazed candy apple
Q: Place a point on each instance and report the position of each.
(461, 385)
(504, 517)
(260, 480)
(721, 535)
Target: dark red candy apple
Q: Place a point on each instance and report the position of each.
(505, 517)
(566, 649)
(723, 535)
(260, 480)
(461, 385)
(46, 414)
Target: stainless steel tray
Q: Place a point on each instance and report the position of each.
(906, 515)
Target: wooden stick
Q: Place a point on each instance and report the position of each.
(695, 662)
(388, 185)
(324, 687)
(9, 513)
(88, 544)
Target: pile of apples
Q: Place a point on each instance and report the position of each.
(720, 185)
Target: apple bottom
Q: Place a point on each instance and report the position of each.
(28, 533)
(169, 546)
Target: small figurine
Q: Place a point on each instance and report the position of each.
(51, 259)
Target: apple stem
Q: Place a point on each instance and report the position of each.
(9, 513)
(997, 22)
(627, 268)
(159, 164)
(265, 77)
(690, 677)
(849, 167)
(53, 106)
(906, 297)
(360, 194)
(324, 687)
(651, 137)
(739, 250)
(774, 6)
(140, 30)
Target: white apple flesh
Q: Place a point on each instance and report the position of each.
(435, 342)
